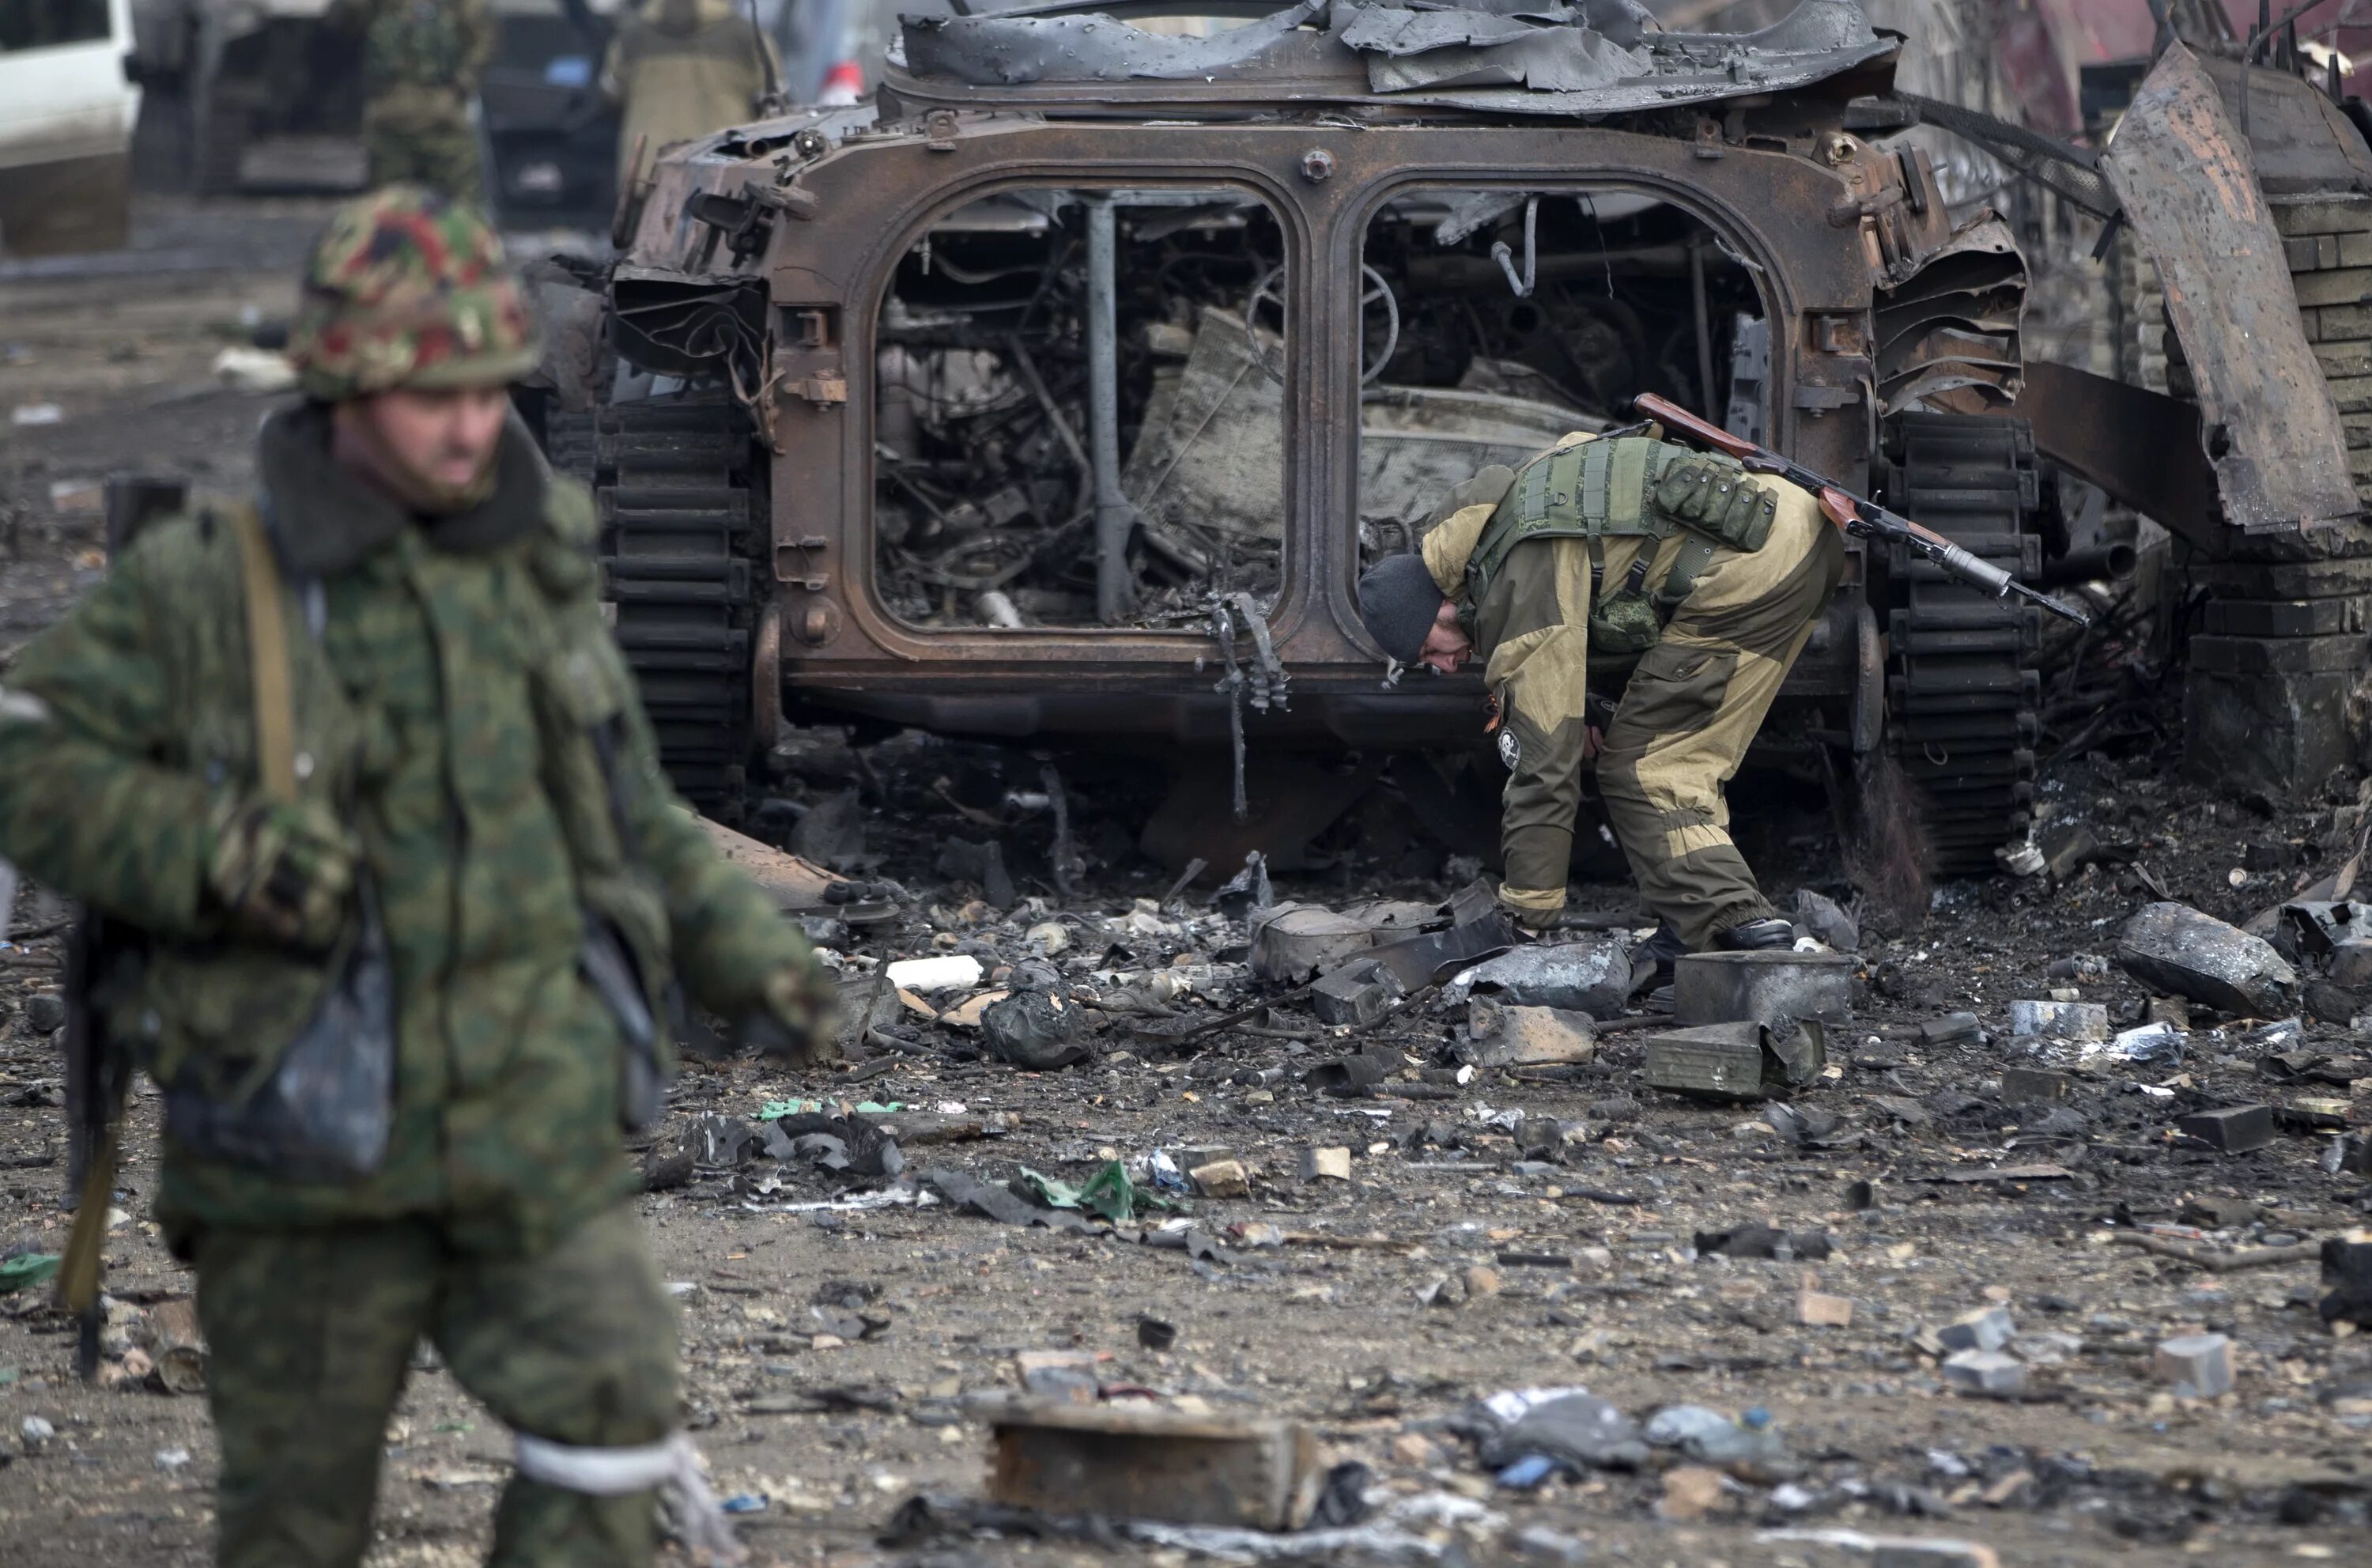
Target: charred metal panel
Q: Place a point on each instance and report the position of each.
(2299, 142)
(2269, 429)
(1950, 324)
(2141, 446)
(1596, 59)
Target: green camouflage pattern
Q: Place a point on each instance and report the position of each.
(423, 43)
(422, 136)
(286, 870)
(408, 288)
(444, 685)
(311, 1333)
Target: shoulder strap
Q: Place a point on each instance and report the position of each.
(267, 658)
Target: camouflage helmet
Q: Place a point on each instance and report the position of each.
(406, 289)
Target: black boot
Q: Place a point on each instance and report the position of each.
(1652, 961)
(1754, 935)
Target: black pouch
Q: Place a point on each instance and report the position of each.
(324, 1110)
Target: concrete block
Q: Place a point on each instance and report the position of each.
(1817, 1310)
(1988, 1329)
(1985, 1372)
(2235, 1130)
(2345, 358)
(2334, 286)
(2059, 1020)
(2026, 1085)
(1358, 994)
(2319, 212)
(1331, 1163)
(2199, 1366)
(2319, 577)
(1222, 1178)
(1724, 988)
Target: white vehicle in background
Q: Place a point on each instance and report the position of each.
(67, 114)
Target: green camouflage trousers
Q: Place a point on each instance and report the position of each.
(426, 139)
(311, 1333)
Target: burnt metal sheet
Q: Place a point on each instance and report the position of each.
(1953, 324)
(1005, 50)
(2181, 169)
(2141, 446)
(2299, 142)
(1598, 58)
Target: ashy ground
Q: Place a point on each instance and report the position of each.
(1513, 1231)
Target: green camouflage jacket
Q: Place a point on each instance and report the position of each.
(447, 676)
(440, 45)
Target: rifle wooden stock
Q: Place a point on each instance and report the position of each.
(1672, 416)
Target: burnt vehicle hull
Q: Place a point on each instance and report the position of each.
(762, 262)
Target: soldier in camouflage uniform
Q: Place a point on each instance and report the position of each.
(1634, 558)
(469, 762)
(422, 61)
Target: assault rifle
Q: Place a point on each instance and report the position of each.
(1856, 515)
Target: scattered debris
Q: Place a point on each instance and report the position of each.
(2198, 1365)
(1133, 1463)
(2234, 1130)
(1985, 1372)
(1326, 1164)
(1763, 988)
(1591, 978)
(2172, 946)
(1737, 1061)
(2059, 1020)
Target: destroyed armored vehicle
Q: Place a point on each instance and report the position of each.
(1064, 391)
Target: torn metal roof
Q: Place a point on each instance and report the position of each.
(1596, 57)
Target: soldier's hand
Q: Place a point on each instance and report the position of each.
(286, 871)
(1715, 497)
(800, 1018)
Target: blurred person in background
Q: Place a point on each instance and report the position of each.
(684, 68)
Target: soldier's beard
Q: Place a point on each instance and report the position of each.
(393, 472)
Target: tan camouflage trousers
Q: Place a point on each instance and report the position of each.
(311, 1334)
(1685, 720)
(424, 139)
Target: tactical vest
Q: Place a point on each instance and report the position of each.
(1596, 490)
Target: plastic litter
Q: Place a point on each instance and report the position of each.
(27, 1269)
(948, 972)
(2159, 1042)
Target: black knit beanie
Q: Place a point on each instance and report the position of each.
(1398, 603)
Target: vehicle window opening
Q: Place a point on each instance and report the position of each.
(1518, 316)
(1033, 467)
(46, 24)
